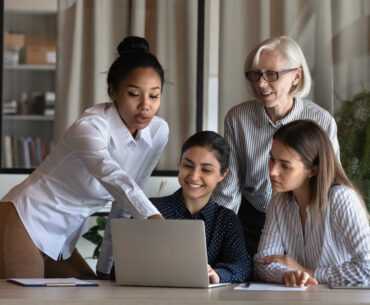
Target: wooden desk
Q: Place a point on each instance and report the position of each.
(109, 293)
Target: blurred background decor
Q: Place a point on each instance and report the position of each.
(353, 119)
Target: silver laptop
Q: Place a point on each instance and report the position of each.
(169, 253)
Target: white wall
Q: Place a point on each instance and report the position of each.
(7, 181)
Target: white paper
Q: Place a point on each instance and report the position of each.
(263, 286)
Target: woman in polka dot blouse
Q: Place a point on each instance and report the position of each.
(204, 163)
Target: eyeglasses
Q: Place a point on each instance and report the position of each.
(269, 76)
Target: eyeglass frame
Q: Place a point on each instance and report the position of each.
(277, 73)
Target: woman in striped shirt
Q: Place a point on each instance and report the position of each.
(316, 226)
(279, 78)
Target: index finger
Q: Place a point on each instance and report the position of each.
(303, 279)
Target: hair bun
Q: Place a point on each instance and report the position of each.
(133, 44)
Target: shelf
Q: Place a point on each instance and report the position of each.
(28, 117)
(37, 20)
(30, 67)
(30, 12)
(33, 7)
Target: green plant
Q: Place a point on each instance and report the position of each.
(353, 119)
(94, 236)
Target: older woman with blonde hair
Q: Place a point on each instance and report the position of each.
(278, 76)
(316, 227)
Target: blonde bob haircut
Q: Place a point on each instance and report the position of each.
(294, 58)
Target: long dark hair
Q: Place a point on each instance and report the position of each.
(133, 53)
(313, 145)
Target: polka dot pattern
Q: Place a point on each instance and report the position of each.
(226, 249)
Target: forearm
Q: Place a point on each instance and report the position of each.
(90, 145)
(226, 276)
(348, 272)
(234, 272)
(271, 273)
(105, 260)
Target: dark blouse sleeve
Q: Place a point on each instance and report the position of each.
(234, 263)
(165, 205)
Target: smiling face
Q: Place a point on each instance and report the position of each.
(138, 98)
(276, 94)
(199, 174)
(287, 171)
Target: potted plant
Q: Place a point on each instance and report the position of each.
(94, 235)
(353, 119)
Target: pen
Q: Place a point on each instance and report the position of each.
(60, 284)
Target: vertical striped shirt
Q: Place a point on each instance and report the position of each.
(336, 244)
(249, 132)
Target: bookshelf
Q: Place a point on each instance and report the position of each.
(28, 82)
(30, 67)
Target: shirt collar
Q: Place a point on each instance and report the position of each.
(294, 113)
(206, 213)
(144, 135)
(208, 210)
(262, 116)
(291, 116)
(119, 130)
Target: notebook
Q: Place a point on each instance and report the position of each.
(168, 253)
(50, 282)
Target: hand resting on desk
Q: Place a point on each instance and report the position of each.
(296, 278)
(301, 276)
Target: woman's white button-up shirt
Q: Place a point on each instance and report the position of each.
(96, 161)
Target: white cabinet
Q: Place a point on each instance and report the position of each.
(30, 29)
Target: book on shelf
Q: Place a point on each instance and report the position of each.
(14, 152)
(24, 152)
(27, 153)
(37, 144)
(7, 148)
(20, 152)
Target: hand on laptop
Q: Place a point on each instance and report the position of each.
(156, 216)
(213, 276)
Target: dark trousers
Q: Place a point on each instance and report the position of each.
(252, 221)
